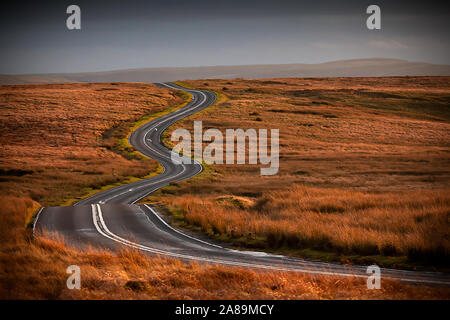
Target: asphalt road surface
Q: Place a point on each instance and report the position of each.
(112, 220)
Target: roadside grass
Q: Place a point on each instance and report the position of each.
(122, 146)
(207, 174)
(66, 153)
(344, 140)
(329, 225)
(36, 269)
(220, 100)
(124, 142)
(88, 192)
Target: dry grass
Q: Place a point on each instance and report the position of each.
(344, 222)
(56, 143)
(364, 170)
(59, 142)
(36, 270)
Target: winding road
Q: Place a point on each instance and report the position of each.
(111, 219)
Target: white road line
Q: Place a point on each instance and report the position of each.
(144, 140)
(175, 114)
(102, 228)
(36, 220)
(99, 224)
(145, 186)
(179, 232)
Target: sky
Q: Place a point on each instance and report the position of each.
(144, 34)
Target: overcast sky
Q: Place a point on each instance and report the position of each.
(137, 34)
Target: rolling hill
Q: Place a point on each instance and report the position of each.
(377, 67)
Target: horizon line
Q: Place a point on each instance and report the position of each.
(215, 66)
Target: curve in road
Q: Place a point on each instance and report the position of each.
(111, 219)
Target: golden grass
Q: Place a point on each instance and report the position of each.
(413, 224)
(70, 149)
(62, 142)
(37, 270)
(364, 170)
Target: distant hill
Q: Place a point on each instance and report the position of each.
(377, 67)
(29, 79)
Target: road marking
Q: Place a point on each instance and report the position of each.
(179, 232)
(145, 186)
(103, 230)
(172, 115)
(101, 227)
(99, 223)
(36, 220)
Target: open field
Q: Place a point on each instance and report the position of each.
(364, 171)
(60, 142)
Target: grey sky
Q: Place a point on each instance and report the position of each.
(136, 34)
